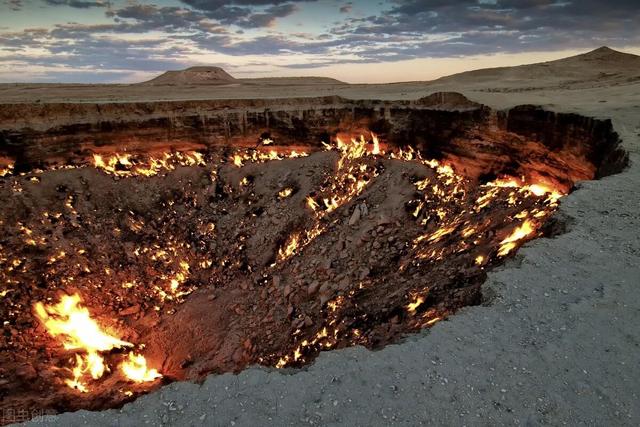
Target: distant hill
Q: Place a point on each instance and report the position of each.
(600, 66)
(603, 66)
(193, 76)
(275, 81)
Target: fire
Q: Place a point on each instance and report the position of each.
(507, 245)
(413, 306)
(289, 248)
(324, 338)
(73, 322)
(257, 156)
(376, 144)
(443, 209)
(313, 205)
(125, 165)
(433, 321)
(135, 369)
(69, 321)
(6, 170)
(352, 175)
(538, 189)
(283, 194)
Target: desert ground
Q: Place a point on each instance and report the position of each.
(555, 340)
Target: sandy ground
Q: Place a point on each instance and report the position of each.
(556, 343)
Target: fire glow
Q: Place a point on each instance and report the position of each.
(125, 165)
(356, 169)
(357, 217)
(72, 324)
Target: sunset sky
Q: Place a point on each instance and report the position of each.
(355, 41)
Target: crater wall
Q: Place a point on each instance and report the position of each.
(525, 140)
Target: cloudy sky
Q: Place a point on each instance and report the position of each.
(355, 41)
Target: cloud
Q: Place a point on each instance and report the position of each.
(139, 37)
(246, 13)
(443, 28)
(138, 18)
(79, 4)
(13, 4)
(268, 17)
(213, 5)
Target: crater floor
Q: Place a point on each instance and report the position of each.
(264, 259)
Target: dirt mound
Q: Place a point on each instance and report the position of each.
(194, 76)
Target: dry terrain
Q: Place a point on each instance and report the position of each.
(553, 342)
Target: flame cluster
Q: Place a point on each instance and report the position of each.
(451, 210)
(449, 192)
(349, 179)
(440, 208)
(72, 324)
(125, 165)
(258, 156)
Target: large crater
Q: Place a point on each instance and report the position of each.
(209, 236)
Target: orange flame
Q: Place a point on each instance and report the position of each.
(136, 369)
(69, 319)
(72, 323)
(413, 306)
(507, 245)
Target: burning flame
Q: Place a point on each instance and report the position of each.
(313, 205)
(376, 144)
(507, 245)
(69, 319)
(413, 306)
(257, 156)
(135, 368)
(6, 170)
(352, 176)
(283, 194)
(289, 248)
(358, 165)
(537, 189)
(125, 165)
(72, 323)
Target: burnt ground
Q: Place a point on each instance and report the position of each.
(555, 343)
(260, 274)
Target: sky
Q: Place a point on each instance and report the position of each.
(122, 41)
